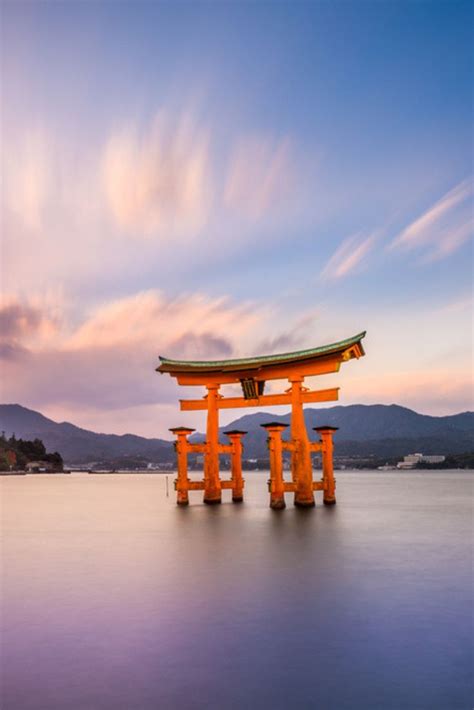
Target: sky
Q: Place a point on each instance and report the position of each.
(208, 180)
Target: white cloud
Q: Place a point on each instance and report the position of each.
(349, 256)
(443, 228)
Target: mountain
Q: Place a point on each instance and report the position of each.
(364, 430)
(78, 445)
(382, 430)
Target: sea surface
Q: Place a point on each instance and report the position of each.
(115, 599)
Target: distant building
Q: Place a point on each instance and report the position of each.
(433, 459)
(40, 467)
(412, 460)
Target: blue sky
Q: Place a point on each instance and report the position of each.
(268, 173)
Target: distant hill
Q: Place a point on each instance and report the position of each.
(78, 445)
(364, 430)
(379, 429)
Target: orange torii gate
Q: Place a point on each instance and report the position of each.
(252, 373)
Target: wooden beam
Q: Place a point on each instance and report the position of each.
(284, 371)
(196, 448)
(191, 485)
(265, 400)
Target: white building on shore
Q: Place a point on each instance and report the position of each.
(412, 460)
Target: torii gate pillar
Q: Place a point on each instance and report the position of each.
(301, 467)
(212, 482)
(326, 433)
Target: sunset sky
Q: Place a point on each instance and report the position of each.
(208, 180)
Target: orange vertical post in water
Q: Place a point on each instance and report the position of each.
(212, 483)
(301, 467)
(181, 446)
(235, 437)
(326, 433)
(276, 484)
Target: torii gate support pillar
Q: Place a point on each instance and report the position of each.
(301, 466)
(235, 437)
(212, 482)
(181, 446)
(276, 483)
(326, 433)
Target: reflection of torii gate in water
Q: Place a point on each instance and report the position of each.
(252, 374)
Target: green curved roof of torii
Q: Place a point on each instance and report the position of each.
(169, 365)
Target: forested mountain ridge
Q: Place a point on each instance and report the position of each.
(382, 430)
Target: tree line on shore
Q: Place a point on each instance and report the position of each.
(16, 454)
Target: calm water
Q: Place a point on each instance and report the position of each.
(113, 598)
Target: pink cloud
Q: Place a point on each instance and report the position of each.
(435, 391)
(149, 318)
(349, 256)
(22, 323)
(108, 361)
(262, 177)
(105, 364)
(20, 319)
(28, 173)
(158, 183)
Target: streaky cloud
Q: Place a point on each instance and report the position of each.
(158, 182)
(261, 177)
(449, 241)
(349, 256)
(443, 228)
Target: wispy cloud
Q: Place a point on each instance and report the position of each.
(462, 303)
(158, 182)
(295, 336)
(28, 175)
(449, 241)
(151, 319)
(443, 228)
(261, 177)
(349, 256)
(162, 182)
(69, 207)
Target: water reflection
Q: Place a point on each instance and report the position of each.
(116, 598)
